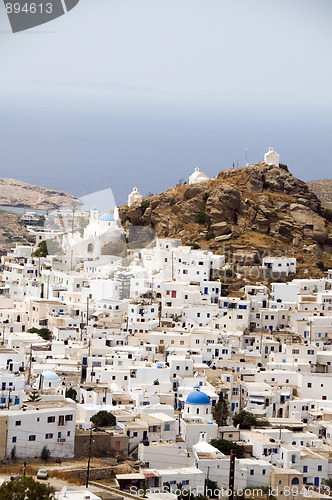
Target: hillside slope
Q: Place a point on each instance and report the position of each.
(20, 194)
(323, 189)
(260, 207)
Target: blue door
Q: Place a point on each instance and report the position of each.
(316, 481)
(145, 435)
(206, 290)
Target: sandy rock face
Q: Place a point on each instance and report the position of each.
(20, 194)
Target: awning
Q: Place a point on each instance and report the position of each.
(150, 474)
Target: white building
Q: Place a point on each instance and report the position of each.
(197, 177)
(271, 157)
(36, 425)
(134, 197)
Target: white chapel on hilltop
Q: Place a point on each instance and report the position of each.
(271, 158)
(134, 197)
(197, 177)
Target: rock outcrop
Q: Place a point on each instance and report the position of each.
(260, 207)
(323, 189)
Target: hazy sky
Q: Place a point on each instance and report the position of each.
(118, 93)
(279, 47)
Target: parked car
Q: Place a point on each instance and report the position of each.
(42, 474)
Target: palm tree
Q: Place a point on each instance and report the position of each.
(73, 205)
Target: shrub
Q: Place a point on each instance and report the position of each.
(206, 196)
(144, 205)
(13, 454)
(201, 217)
(322, 266)
(328, 214)
(194, 246)
(210, 235)
(45, 333)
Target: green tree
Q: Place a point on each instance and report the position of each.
(226, 446)
(220, 411)
(26, 488)
(71, 393)
(47, 247)
(45, 454)
(211, 488)
(34, 395)
(103, 419)
(13, 454)
(247, 420)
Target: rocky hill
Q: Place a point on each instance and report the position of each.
(20, 194)
(260, 207)
(323, 189)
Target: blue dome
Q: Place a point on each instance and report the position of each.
(94, 209)
(198, 398)
(107, 217)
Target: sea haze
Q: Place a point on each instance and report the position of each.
(81, 140)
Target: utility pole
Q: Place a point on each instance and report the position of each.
(30, 362)
(231, 475)
(89, 458)
(310, 327)
(172, 268)
(10, 390)
(87, 311)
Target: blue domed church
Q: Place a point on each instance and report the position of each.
(197, 417)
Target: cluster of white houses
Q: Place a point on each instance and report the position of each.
(156, 342)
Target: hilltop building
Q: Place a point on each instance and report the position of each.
(271, 157)
(134, 197)
(197, 177)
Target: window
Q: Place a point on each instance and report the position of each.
(14, 439)
(320, 468)
(32, 438)
(251, 472)
(50, 420)
(295, 480)
(69, 418)
(167, 427)
(309, 385)
(49, 436)
(135, 434)
(264, 472)
(18, 422)
(305, 469)
(293, 459)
